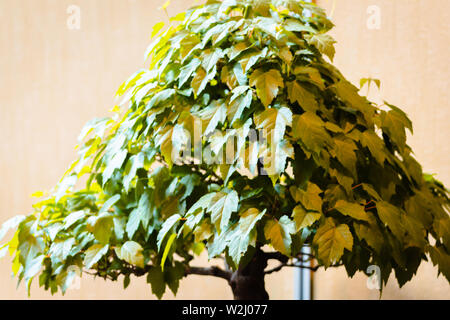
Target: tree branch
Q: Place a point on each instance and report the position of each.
(284, 259)
(211, 271)
(276, 256)
(282, 265)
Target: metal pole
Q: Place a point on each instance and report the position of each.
(302, 279)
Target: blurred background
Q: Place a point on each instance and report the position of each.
(56, 73)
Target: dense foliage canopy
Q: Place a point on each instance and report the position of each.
(329, 168)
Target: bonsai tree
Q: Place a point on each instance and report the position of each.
(239, 136)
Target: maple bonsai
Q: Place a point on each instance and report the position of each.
(311, 163)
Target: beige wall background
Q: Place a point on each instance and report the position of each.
(53, 80)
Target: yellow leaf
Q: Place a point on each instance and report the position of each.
(166, 5)
(37, 194)
(353, 210)
(167, 249)
(303, 218)
(157, 28)
(16, 265)
(331, 241)
(267, 84)
(115, 109)
(279, 233)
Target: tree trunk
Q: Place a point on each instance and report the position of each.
(247, 283)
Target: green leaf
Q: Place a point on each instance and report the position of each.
(274, 122)
(324, 43)
(218, 33)
(131, 252)
(189, 45)
(66, 184)
(166, 227)
(115, 163)
(236, 50)
(119, 227)
(278, 232)
(275, 164)
(370, 232)
(10, 224)
(267, 84)
(371, 191)
(311, 75)
(203, 231)
(179, 17)
(33, 267)
(141, 214)
(238, 243)
(248, 60)
(349, 94)
(309, 198)
(267, 25)
(353, 210)
(310, 130)
(344, 151)
(442, 228)
(109, 203)
(103, 228)
(285, 54)
(133, 164)
(94, 254)
(173, 142)
(363, 81)
(155, 277)
(134, 220)
(415, 232)
(261, 7)
(201, 204)
(187, 71)
(201, 79)
(248, 220)
(391, 216)
(173, 276)
(238, 103)
(214, 114)
(60, 249)
(304, 218)
(160, 97)
(96, 125)
(393, 125)
(73, 218)
(296, 26)
(241, 235)
(233, 76)
(331, 241)
(222, 206)
(126, 281)
(343, 180)
(375, 145)
(211, 57)
(401, 116)
(297, 93)
(441, 259)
